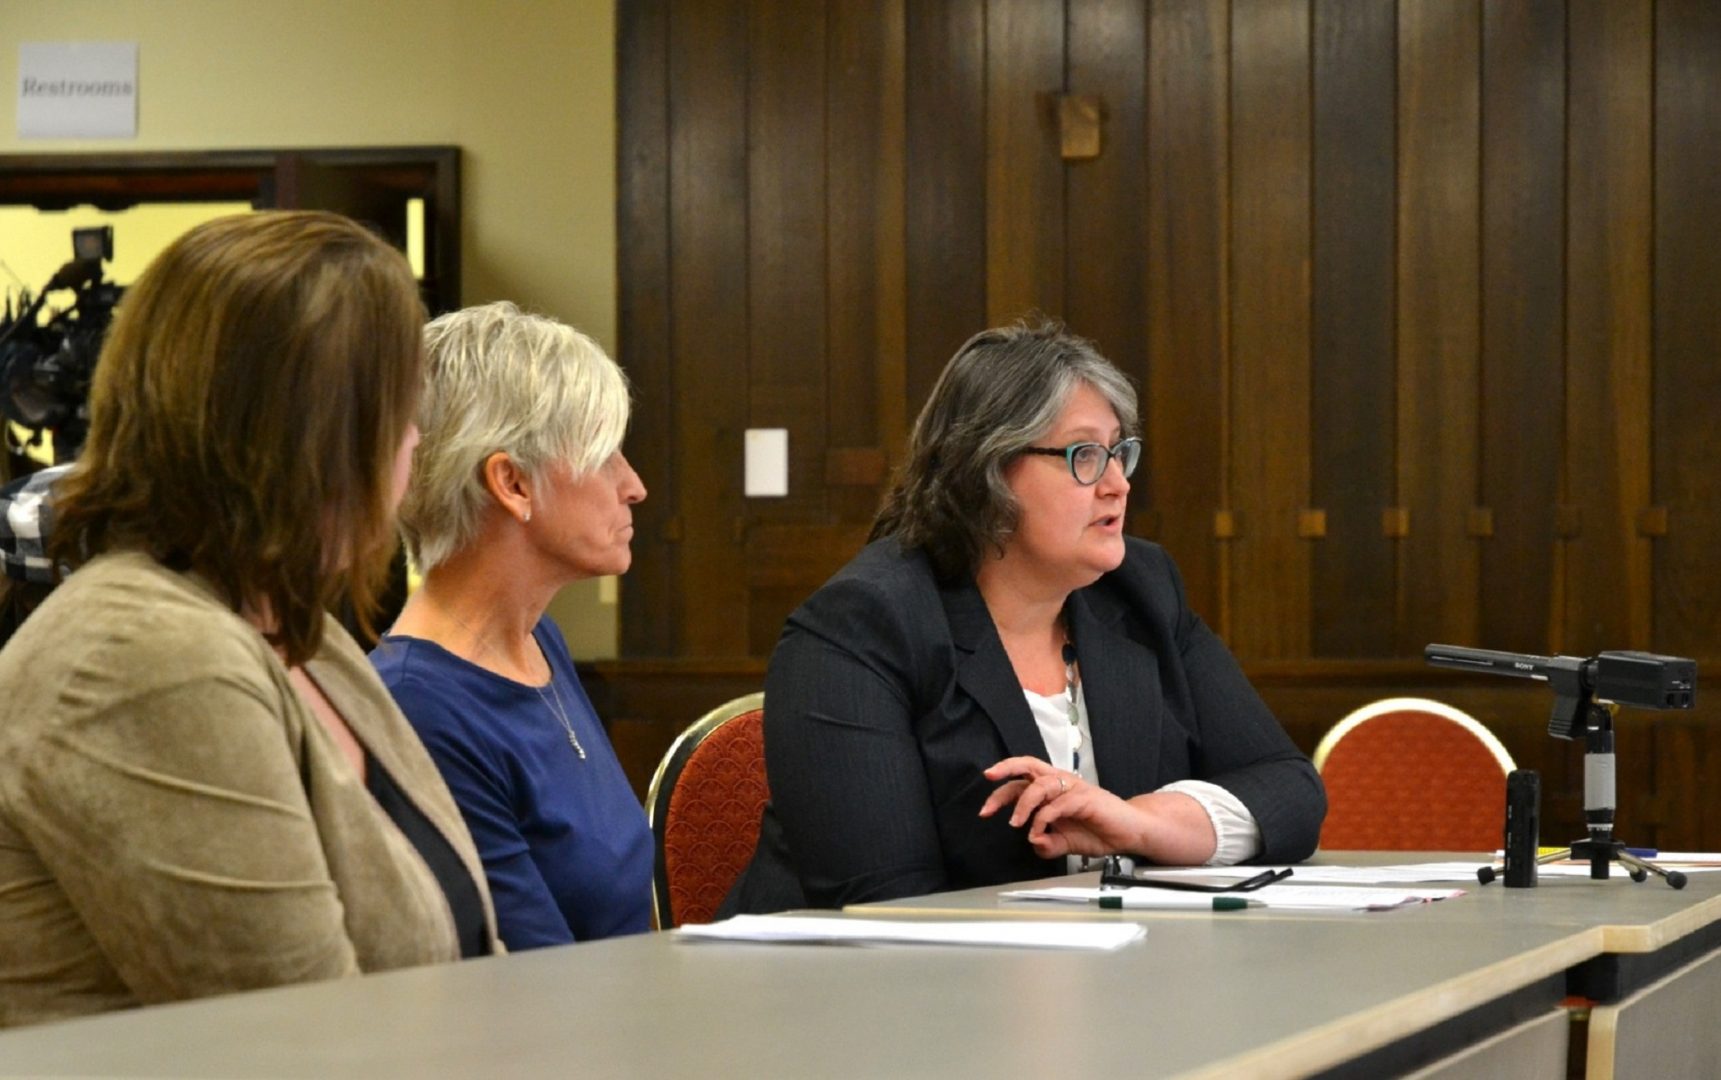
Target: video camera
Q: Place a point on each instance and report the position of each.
(1641, 679)
(45, 368)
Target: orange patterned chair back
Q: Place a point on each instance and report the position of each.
(704, 804)
(1409, 774)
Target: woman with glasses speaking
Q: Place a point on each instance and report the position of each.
(1002, 684)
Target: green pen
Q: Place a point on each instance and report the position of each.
(1164, 902)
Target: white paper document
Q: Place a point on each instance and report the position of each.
(1284, 897)
(1102, 936)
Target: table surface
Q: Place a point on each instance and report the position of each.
(1203, 994)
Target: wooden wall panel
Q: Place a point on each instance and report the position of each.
(1419, 292)
(1187, 299)
(1353, 362)
(1438, 122)
(708, 203)
(1105, 205)
(1688, 324)
(786, 288)
(650, 595)
(1523, 317)
(786, 253)
(1024, 172)
(1269, 396)
(1607, 588)
(865, 291)
(946, 176)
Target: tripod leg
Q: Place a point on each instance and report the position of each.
(1642, 868)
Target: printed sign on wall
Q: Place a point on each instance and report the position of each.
(77, 90)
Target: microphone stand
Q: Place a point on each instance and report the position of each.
(1599, 848)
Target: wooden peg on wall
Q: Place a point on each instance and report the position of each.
(1312, 524)
(1079, 126)
(1395, 522)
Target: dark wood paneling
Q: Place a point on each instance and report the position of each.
(865, 304)
(651, 612)
(1269, 477)
(1688, 324)
(1439, 53)
(1391, 305)
(1606, 590)
(1024, 173)
(946, 200)
(1353, 365)
(1523, 315)
(1187, 301)
(786, 252)
(1105, 220)
(708, 64)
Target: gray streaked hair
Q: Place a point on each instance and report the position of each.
(499, 379)
(1000, 393)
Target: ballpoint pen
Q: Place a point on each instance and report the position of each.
(1165, 902)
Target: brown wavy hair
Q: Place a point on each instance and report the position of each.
(245, 415)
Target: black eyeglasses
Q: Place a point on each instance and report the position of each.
(1088, 460)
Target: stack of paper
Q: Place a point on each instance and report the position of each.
(844, 931)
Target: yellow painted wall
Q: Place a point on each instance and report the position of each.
(526, 88)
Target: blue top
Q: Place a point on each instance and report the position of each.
(565, 844)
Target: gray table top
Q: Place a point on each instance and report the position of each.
(1202, 994)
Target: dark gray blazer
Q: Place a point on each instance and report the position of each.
(889, 692)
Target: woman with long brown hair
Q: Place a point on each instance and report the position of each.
(203, 786)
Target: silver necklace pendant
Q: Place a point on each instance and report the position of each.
(561, 714)
(1075, 715)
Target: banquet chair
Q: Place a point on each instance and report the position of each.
(1410, 774)
(704, 805)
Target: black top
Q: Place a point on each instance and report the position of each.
(464, 900)
(890, 691)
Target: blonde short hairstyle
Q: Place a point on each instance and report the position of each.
(499, 379)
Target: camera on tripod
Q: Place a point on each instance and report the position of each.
(1639, 679)
(1585, 692)
(46, 367)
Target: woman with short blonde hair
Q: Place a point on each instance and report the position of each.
(519, 487)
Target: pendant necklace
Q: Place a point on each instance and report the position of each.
(1074, 712)
(555, 706)
(561, 713)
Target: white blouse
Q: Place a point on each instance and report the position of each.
(1071, 746)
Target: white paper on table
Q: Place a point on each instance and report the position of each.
(1282, 896)
(834, 931)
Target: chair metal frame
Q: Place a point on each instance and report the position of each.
(663, 781)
